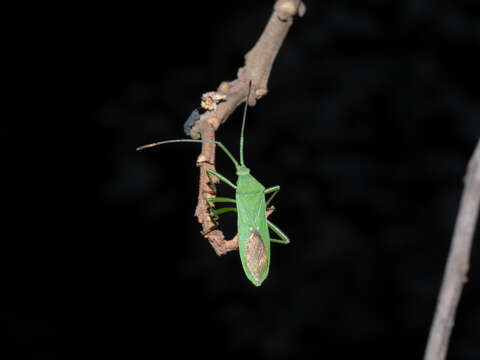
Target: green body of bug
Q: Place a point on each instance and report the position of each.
(253, 234)
(253, 226)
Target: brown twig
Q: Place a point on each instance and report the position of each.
(457, 264)
(257, 68)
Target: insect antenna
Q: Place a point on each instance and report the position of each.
(242, 163)
(220, 145)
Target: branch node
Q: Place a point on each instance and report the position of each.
(260, 93)
(211, 99)
(224, 87)
(287, 8)
(195, 134)
(215, 122)
(201, 159)
(302, 9)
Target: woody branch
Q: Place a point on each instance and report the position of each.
(457, 264)
(257, 68)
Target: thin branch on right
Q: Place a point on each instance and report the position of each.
(457, 264)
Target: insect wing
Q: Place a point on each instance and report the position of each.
(256, 256)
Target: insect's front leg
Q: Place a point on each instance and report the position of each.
(222, 178)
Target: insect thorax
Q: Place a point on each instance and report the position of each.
(243, 170)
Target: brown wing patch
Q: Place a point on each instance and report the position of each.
(256, 255)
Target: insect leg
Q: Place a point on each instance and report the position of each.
(213, 218)
(283, 238)
(210, 202)
(221, 211)
(221, 200)
(215, 213)
(271, 189)
(214, 227)
(211, 184)
(210, 206)
(274, 190)
(221, 177)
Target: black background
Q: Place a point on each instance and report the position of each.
(371, 117)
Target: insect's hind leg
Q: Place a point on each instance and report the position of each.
(274, 189)
(271, 189)
(283, 238)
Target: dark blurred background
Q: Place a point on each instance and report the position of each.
(371, 117)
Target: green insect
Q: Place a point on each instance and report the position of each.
(250, 206)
